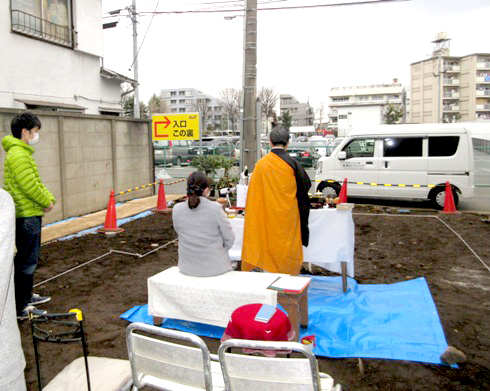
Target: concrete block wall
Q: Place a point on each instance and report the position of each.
(82, 157)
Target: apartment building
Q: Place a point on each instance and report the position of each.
(446, 88)
(51, 54)
(302, 113)
(190, 100)
(362, 105)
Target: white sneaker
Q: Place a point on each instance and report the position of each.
(30, 309)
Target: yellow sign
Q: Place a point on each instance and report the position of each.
(175, 126)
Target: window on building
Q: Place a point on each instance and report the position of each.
(173, 93)
(378, 97)
(182, 110)
(165, 94)
(188, 102)
(174, 110)
(188, 93)
(443, 145)
(47, 20)
(181, 93)
(341, 99)
(173, 102)
(402, 147)
(361, 147)
(181, 101)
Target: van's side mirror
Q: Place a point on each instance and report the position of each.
(342, 155)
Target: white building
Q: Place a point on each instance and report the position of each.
(190, 100)
(446, 88)
(361, 105)
(51, 53)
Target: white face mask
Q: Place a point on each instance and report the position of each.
(34, 140)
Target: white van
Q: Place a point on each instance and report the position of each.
(401, 162)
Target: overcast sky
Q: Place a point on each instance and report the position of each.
(302, 52)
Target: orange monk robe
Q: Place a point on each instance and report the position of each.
(272, 232)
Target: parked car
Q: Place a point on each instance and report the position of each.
(180, 152)
(321, 145)
(162, 152)
(212, 146)
(264, 149)
(307, 156)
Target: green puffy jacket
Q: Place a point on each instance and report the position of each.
(22, 181)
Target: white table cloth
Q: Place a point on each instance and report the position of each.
(209, 300)
(331, 239)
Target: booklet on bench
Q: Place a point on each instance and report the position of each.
(290, 284)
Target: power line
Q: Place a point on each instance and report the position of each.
(276, 8)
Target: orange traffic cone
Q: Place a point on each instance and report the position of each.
(449, 206)
(161, 201)
(110, 225)
(343, 192)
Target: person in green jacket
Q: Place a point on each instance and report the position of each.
(32, 199)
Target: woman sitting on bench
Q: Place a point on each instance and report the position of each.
(205, 234)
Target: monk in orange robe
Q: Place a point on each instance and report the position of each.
(277, 210)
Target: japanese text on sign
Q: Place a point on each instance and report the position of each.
(175, 126)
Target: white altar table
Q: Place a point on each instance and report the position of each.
(331, 239)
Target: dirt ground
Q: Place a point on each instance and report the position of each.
(389, 248)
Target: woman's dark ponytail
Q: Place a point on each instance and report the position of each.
(194, 201)
(196, 184)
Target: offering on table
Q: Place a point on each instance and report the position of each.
(222, 201)
(231, 213)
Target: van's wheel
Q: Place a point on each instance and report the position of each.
(329, 189)
(438, 196)
(178, 161)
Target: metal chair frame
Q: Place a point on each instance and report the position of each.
(74, 333)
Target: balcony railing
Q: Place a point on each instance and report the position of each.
(451, 82)
(483, 65)
(482, 107)
(451, 68)
(450, 108)
(483, 79)
(482, 92)
(451, 95)
(43, 29)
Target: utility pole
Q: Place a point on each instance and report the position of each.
(248, 131)
(135, 61)
(441, 44)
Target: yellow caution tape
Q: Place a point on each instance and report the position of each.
(430, 186)
(150, 184)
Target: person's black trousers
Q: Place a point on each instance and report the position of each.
(28, 243)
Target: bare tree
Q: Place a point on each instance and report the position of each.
(268, 99)
(157, 105)
(320, 110)
(229, 99)
(201, 105)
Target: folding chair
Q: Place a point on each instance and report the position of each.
(171, 365)
(246, 372)
(105, 374)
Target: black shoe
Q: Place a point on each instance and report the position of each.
(38, 299)
(30, 309)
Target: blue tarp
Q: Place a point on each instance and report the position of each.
(391, 321)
